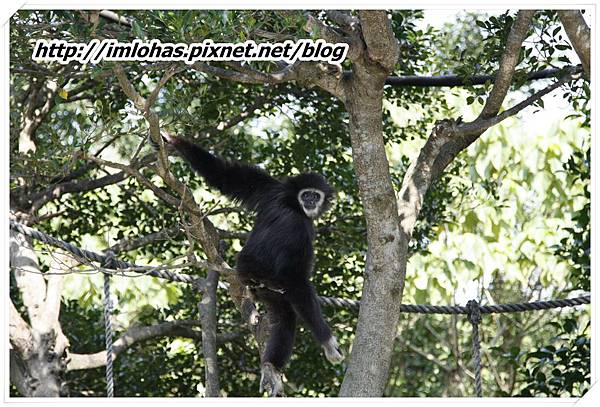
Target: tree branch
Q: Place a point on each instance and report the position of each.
(477, 127)
(60, 262)
(456, 80)
(138, 334)
(172, 70)
(245, 74)
(228, 234)
(30, 281)
(39, 199)
(508, 62)
(54, 288)
(39, 103)
(86, 85)
(208, 319)
(579, 34)
(234, 120)
(330, 34)
(277, 37)
(130, 170)
(347, 22)
(322, 30)
(305, 73)
(382, 45)
(112, 16)
(448, 138)
(76, 173)
(419, 174)
(132, 244)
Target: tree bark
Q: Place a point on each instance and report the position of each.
(384, 277)
(369, 362)
(37, 106)
(39, 359)
(208, 318)
(579, 34)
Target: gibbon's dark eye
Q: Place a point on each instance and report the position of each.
(310, 199)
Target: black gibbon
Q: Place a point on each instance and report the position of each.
(277, 259)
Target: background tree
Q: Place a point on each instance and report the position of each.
(460, 210)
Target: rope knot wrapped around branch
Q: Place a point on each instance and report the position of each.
(110, 260)
(474, 312)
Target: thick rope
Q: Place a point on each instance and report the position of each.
(329, 301)
(475, 320)
(108, 332)
(536, 305)
(99, 258)
(457, 309)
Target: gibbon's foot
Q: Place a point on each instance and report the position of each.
(271, 381)
(333, 353)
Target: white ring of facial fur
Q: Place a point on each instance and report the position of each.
(312, 213)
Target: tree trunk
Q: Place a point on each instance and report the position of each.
(38, 360)
(368, 367)
(41, 375)
(369, 362)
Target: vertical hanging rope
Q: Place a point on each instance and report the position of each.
(108, 333)
(475, 319)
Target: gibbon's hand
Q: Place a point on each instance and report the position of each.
(333, 353)
(167, 137)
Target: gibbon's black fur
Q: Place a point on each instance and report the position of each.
(277, 259)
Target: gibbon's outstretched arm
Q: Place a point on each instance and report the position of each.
(242, 182)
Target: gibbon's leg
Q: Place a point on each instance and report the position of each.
(282, 321)
(282, 324)
(306, 304)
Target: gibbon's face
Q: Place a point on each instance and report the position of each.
(311, 200)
